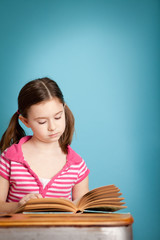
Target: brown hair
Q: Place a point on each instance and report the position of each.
(34, 92)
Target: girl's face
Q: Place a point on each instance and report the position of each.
(46, 119)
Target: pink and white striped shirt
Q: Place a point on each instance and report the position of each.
(23, 180)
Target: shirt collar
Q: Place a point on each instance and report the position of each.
(15, 153)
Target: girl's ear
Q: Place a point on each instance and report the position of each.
(24, 121)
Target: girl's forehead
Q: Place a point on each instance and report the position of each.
(49, 106)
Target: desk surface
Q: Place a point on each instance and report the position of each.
(65, 219)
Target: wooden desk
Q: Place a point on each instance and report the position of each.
(109, 226)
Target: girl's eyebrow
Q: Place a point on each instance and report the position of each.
(58, 112)
(46, 117)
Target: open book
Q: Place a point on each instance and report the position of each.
(106, 198)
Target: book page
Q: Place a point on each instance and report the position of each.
(98, 193)
(48, 204)
(106, 198)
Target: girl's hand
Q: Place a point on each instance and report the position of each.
(76, 201)
(28, 197)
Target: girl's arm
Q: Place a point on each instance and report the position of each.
(6, 207)
(11, 207)
(80, 189)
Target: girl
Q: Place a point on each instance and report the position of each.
(42, 165)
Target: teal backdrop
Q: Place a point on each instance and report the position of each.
(105, 55)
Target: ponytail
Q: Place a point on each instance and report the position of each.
(13, 133)
(67, 136)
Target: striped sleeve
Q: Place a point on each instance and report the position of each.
(4, 167)
(83, 171)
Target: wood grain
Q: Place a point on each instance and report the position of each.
(32, 220)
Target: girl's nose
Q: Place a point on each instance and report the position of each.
(51, 126)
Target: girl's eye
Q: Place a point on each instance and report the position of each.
(57, 118)
(42, 122)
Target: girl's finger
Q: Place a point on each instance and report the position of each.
(39, 195)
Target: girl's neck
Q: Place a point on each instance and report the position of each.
(43, 146)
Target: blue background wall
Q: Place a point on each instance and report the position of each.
(105, 57)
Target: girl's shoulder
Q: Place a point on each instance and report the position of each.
(14, 152)
(77, 162)
(73, 157)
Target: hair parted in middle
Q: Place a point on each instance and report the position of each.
(36, 91)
